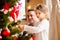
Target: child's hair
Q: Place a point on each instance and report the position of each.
(44, 9)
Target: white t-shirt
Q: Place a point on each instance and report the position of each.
(41, 30)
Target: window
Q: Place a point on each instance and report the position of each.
(22, 10)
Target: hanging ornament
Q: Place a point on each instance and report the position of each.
(5, 32)
(6, 6)
(12, 14)
(16, 8)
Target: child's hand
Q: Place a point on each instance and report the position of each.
(21, 27)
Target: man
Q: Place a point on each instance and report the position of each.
(32, 18)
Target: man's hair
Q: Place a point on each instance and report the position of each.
(31, 10)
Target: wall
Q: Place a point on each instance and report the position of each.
(33, 3)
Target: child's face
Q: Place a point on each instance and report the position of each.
(40, 14)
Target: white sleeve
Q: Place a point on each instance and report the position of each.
(33, 29)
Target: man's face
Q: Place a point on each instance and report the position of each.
(31, 16)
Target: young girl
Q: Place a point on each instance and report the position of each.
(42, 14)
(41, 28)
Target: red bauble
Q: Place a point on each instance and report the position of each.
(6, 6)
(5, 32)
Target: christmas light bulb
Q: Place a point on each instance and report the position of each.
(29, 7)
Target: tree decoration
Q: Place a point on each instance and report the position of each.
(9, 12)
(5, 32)
(14, 13)
(6, 6)
(24, 36)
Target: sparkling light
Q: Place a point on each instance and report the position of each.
(29, 7)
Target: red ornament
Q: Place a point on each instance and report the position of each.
(12, 14)
(5, 32)
(6, 6)
(17, 12)
(16, 8)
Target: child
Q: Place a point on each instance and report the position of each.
(42, 14)
(41, 28)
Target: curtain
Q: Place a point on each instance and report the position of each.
(54, 33)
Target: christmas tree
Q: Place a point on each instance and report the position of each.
(9, 22)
